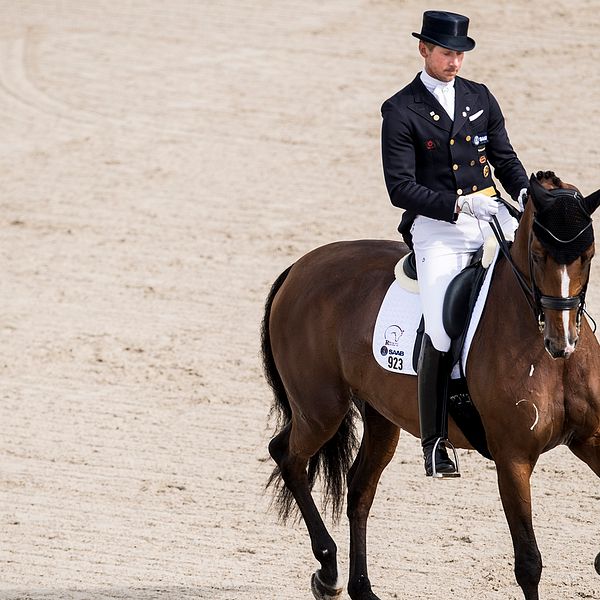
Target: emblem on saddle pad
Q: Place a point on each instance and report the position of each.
(393, 334)
(391, 345)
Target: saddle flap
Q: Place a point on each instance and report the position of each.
(460, 297)
(409, 266)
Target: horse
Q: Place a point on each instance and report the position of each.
(317, 357)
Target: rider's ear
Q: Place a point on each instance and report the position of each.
(591, 202)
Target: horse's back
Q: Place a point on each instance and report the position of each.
(340, 276)
(324, 312)
(356, 260)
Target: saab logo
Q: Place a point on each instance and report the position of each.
(430, 145)
(393, 335)
(480, 139)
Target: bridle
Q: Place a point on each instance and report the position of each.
(536, 300)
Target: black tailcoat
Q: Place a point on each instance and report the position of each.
(429, 160)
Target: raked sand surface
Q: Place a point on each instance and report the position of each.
(161, 164)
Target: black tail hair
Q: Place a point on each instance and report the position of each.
(281, 406)
(333, 459)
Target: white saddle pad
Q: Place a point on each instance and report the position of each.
(398, 319)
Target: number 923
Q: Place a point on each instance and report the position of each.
(395, 363)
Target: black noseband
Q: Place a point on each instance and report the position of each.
(557, 303)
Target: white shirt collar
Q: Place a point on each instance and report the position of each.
(431, 82)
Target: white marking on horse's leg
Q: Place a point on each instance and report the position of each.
(323, 591)
(537, 414)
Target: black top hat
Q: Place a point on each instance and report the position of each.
(446, 29)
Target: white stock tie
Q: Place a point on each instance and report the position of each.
(443, 93)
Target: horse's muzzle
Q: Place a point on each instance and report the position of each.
(560, 350)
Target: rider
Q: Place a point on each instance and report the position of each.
(440, 135)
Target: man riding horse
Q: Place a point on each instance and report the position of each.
(440, 135)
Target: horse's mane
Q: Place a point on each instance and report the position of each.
(550, 180)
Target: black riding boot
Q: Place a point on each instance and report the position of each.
(433, 376)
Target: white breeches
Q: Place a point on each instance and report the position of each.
(442, 250)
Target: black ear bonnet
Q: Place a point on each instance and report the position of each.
(561, 223)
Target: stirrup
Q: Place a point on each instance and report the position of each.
(434, 473)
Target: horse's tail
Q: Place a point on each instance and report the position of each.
(281, 405)
(333, 459)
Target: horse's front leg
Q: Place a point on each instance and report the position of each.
(515, 492)
(588, 451)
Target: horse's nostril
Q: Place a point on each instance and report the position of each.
(554, 351)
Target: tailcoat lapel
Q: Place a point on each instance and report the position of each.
(463, 99)
(426, 105)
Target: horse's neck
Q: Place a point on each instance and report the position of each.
(520, 248)
(506, 293)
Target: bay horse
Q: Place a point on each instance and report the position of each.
(317, 354)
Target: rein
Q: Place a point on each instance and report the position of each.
(505, 249)
(536, 300)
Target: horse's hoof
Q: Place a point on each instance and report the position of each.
(322, 591)
(597, 563)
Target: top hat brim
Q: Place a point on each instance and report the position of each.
(451, 42)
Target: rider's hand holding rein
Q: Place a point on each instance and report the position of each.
(478, 206)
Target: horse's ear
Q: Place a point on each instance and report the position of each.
(539, 194)
(591, 202)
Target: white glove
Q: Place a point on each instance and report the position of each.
(522, 198)
(478, 206)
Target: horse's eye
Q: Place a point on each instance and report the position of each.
(587, 256)
(538, 258)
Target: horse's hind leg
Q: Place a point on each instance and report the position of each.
(291, 449)
(377, 448)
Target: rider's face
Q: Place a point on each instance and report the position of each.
(441, 63)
